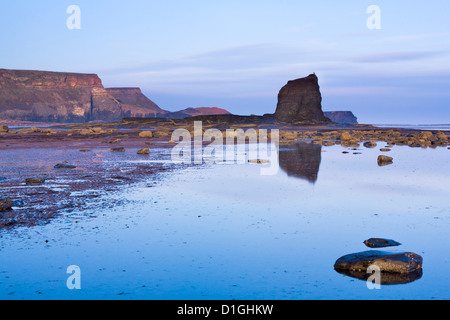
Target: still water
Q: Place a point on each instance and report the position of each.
(225, 231)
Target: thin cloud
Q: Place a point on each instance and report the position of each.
(384, 57)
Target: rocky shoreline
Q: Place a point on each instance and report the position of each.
(48, 171)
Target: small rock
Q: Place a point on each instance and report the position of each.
(146, 134)
(4, 129)
(64, 166)
(85, 150)
(384, 160)
(380, 243)
(144, 151)
(117, 149)
(345, 136)
(385, 149)
(415, 145)
(259, 161)
(5, 204)
(34, 181)
(370, 144)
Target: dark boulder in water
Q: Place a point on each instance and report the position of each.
(64, 166)
(381, 243)
(389, 262)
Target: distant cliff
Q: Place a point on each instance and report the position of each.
(135, 103)
(67, 97)
(345, 117)
(193, 112)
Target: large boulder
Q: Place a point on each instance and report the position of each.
(395, 268)
(300, 101)
(402, 262)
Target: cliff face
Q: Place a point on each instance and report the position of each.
(344, 117)
(300, 101)
(135, 103)
(62, 97)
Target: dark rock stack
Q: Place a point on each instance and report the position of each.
(300, 101)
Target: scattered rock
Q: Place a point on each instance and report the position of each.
(385, 149)
(345, 136)
(146, 134)
(144, 151)
(4, 129)
(160, 134)
(34, 181)
(5, 204)
(385, 160)
(64, 166)
(370, 144)
(403, 262)
(85, 150)
(117, 149)
(259, 161)
(380, 243)
(415, 145)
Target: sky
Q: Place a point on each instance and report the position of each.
(389, 66)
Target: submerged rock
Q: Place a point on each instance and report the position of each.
(385, 160)
(5, 204)
(380, 243)
(259, 161)
(34, 181)
(144, 151)
(402, 262)
(370, 144)
(146, 134)
(64, 166)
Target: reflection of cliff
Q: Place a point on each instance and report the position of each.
(301, 161)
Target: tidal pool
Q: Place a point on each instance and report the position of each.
(224, 231)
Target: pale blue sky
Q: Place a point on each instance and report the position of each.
(238, 54)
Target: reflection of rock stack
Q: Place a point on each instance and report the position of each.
(303, 161)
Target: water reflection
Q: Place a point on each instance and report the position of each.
(385, 277)
(301, 160)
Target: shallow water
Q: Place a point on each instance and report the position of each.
(227, 232)
(435, 127)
